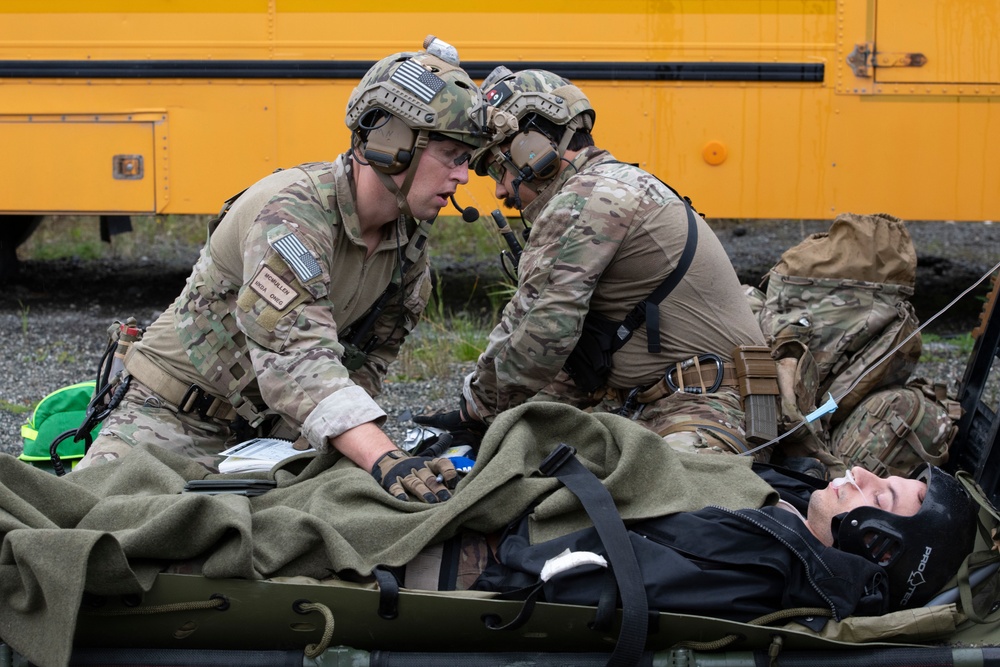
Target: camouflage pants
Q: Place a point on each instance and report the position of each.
(702, 424)
(143, 417)
(424, 570)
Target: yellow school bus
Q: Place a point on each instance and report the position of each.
(795, 109)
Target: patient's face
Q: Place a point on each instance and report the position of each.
(897, 495)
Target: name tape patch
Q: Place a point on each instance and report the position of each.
(270, 287)
(297, 257)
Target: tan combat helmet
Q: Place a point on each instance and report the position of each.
(523, 95)
(405, 97)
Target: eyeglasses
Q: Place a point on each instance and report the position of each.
(451, 154)
(500, 161)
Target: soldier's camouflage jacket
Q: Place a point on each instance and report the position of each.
(604, 235)
(283, 275)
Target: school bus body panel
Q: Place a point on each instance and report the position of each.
(961, 41)
(754, 108)
(64, 160)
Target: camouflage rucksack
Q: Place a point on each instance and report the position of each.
(893, 431)
(834, 305)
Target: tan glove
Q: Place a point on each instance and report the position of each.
(399, 473)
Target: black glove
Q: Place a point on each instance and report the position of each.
(446, 421)
(435, 445)
(398, 472)
(463, 428)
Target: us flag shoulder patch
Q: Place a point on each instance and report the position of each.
(297, 257)
(419, 81)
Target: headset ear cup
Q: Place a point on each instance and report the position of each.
(389, 146)
(534, 155)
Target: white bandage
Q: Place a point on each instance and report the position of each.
(568, 560)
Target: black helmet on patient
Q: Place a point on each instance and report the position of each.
(919, 553)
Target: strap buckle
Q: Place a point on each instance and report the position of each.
(556, 458)
(631, 403)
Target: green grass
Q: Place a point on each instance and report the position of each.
(459, 240)
(72, 242)
(430, 352)
(440, 341)
(963, 343)
(25, 322)
(78, 237)
(15, 408)
(442, 338)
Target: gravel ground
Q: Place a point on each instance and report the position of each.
(53, 321)
(53, 331)
(49, 347)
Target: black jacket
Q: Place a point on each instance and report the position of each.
(714, 562)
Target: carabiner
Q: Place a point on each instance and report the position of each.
(719, 369)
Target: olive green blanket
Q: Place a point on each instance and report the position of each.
(110, 529)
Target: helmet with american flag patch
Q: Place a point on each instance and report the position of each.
(419, 91)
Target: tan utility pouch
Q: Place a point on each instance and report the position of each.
(757, 379)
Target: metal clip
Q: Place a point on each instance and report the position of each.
(719, 370)
(630, 404)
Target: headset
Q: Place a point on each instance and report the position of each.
(388, 143)
(535, 156)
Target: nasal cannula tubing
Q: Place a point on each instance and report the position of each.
(848, 478)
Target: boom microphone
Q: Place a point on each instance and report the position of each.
(469, 213)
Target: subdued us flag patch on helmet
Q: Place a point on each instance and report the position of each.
(297, 257)
(419, 81)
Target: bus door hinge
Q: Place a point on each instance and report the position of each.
(864, 59)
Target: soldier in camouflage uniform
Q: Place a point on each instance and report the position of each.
(604, 235)
(271, 324)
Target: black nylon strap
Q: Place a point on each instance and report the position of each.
(388, 593)
(604, 618)
(648, 310)
(600, 506)
(451, 552)
(529, 595)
